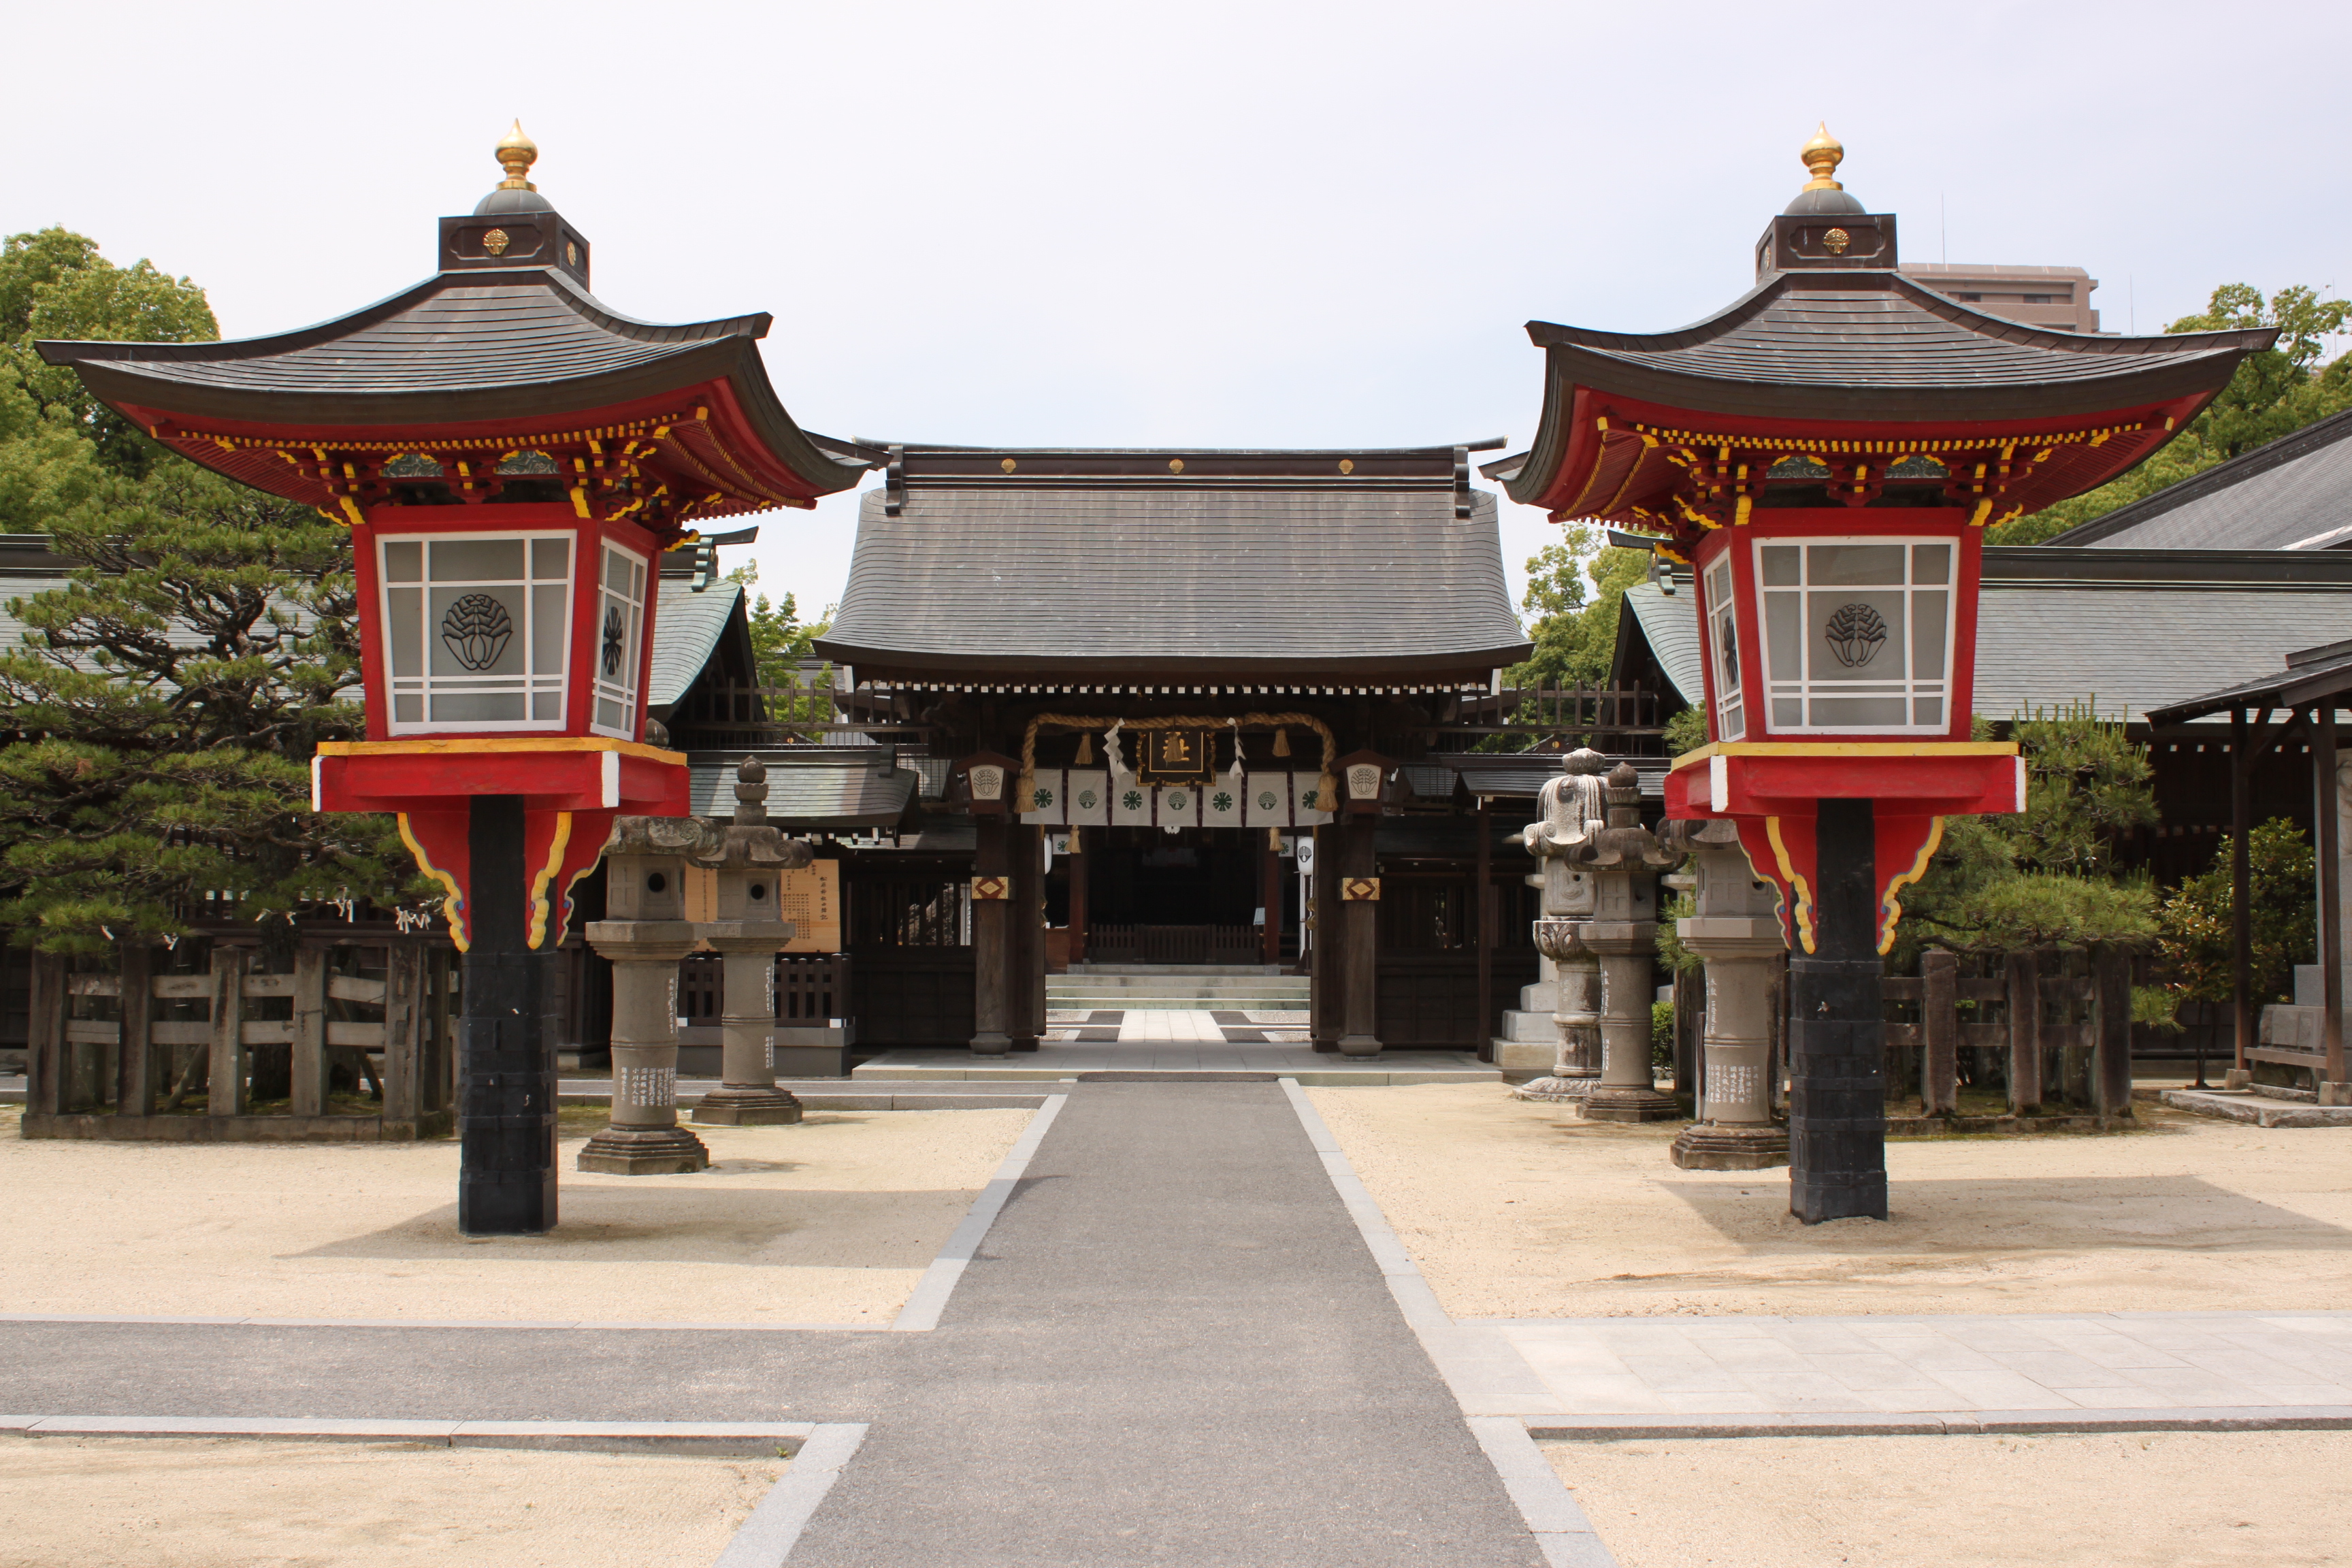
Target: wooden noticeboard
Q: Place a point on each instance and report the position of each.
(811, 899)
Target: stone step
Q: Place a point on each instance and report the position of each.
(1202, 969)
(1172, 986)
(1172, 1005)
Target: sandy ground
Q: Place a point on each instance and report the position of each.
(202, 1504)
(1515, 1211)
(831, 1221)
(2165, 1499)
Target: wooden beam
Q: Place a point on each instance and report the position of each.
(226, 1094)
(2327, 805)
(134, 1058)
(1482, 910)
(307, 1050)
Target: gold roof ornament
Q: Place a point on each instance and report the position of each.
(515, 153)
(1822, 155)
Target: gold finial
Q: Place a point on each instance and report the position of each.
(1822, 155)
(516, 154)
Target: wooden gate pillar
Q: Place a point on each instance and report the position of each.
(1025, 951)
(990, 871)
(1358, 942)
(1324, 975)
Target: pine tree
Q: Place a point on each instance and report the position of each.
(164, 705)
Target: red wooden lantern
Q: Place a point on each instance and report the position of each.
(1825, 454)
(512, 458)
(1841, 659)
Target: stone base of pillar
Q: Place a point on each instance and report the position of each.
(1731, 1146)
(1617, 1102)
(749, 1107)
(644, 1152)
(1359, 1045)
(1552, 1087)
(2329, 1094)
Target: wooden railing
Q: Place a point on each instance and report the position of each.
(117, 1054)
(1590, 712)
(2063, 1037)
(720, 716)
(1174, 944)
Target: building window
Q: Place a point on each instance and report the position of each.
(620, 623)
(1723, 633)
(1970, 297)
(2040, 299)
(1858, 635)
(475, 629)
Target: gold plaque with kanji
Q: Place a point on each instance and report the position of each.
(1176, 756)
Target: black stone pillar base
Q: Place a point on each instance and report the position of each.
(1705, 1147)
(505, 1057)
(749, 1107)
(1619, 1103)
(644, 1152)
(1837, 1033)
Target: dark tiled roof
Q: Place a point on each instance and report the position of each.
(811, 788)
(2294, 493)
(2309, 676)
(1118, 579)
(1521, 775)
(1874, 346)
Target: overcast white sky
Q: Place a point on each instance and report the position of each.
(1226, 224)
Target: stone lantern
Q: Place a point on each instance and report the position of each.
(1624, 859)
(1735, 929)
(749, 933)
(646, 933)
(1575, 807)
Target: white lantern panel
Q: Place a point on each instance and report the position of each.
(620, 632)
(1858, 635)
(1723, 633)
(476, 630)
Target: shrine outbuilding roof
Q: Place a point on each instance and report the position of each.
(1125, 564)
(2294, 493)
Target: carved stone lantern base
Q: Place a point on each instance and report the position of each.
(753, 1107)
(644, 1152)
(1554, 1087)
(1710, 1146)
(1621, 1102)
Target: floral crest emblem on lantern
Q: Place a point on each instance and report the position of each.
(477, 630)
(1855, 633)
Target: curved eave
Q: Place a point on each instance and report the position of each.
(130, 377)
(919, 665)
(1584, 367)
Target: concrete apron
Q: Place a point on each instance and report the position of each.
(1173, 1348)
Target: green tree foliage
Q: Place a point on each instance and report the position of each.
(2196, 943)
(2273, 393)
(1575, 626)
(2046, 875)
(780, 641)
(164, 705)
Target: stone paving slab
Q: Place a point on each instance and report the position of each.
(2259, 1110)
(1876, 1367)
